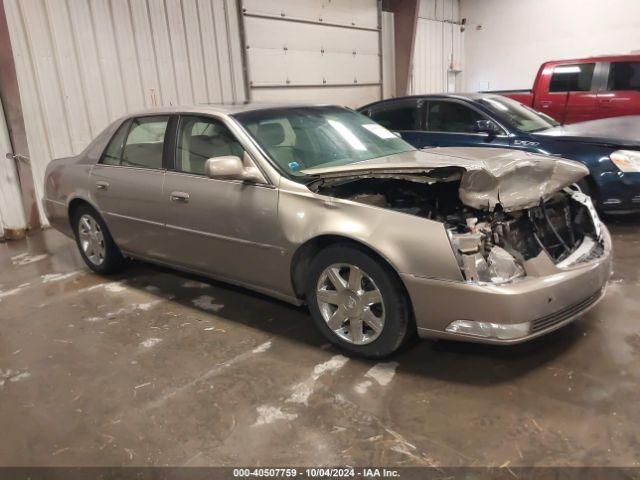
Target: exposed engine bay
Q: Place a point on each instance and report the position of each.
(491, 244)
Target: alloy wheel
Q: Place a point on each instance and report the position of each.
(91, 239)
(350, 303)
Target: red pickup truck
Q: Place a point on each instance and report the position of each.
(584, 89)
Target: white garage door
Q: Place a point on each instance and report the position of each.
(324, 51)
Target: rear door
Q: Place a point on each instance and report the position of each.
(127, 185)
(402, 116)
(452, 123)
(621, 93)
(567, 95)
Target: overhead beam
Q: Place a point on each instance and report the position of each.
(10, 97)
(405, 21)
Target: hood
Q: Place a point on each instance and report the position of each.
(488, 176)
(620, 131)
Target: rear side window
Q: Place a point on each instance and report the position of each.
(145, 142)
(451, 117)
(137, 143)
(624, 76)
(400, 117)
(572, 78)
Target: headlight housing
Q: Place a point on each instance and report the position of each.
(627, 161)
(500, 331)
(482, 263)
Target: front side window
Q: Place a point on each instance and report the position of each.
(201, 138)
(314, 137)
(144, 144)
(624, 76)
(517, 115)
(397, 117)
(451, 117)
(572, 78)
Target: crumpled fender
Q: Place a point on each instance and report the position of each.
(519, 183)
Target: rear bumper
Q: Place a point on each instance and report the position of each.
(546, 303)
(56, 213)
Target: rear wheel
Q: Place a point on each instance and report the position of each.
(358, 303)
(97, 248)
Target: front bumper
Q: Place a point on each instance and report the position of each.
(546, 303)
(619, 192)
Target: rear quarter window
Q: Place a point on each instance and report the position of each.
(113, 153)
(624, 76)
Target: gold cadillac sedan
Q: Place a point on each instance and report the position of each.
(317, 204)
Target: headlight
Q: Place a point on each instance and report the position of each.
(481, 263)
(627, 161)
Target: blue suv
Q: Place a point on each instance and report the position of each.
(610, 147)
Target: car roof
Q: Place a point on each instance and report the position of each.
(470, 96)
(224, 109)
(633, 57)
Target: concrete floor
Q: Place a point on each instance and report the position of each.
(154, 367)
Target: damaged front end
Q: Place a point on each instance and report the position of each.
(504, 221)
(499, 246)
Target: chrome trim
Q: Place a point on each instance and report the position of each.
(135, 219)
(144, 169)
(227, 180)
(224, 237)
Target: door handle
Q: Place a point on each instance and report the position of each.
(100, 185)
(179, 197)
(545, 104)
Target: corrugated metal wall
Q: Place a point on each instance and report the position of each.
(82, 64)
(438, 47)
(322, 50)
(11, 212)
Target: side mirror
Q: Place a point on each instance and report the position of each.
(230, 167)
(486, 126)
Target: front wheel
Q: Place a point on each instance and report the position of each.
(358, 303)
(97, 248)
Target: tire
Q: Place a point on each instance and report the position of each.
(392, 317)
(106, 257)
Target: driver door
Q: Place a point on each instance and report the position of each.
(225, 228)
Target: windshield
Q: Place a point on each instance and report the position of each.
(298, 138)
(518, 115)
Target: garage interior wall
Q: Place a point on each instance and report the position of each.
(11, 212)
(313, 50)
(438, 48)
(517, 36)
(81, 65)
(388, 46)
